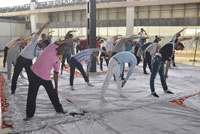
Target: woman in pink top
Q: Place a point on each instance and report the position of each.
(41, 76)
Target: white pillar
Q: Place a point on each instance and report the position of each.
(129, 19)
(32, 17)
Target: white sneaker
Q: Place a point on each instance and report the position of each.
(103, 99)
(72, 88)
(89, 84)
(123, 95)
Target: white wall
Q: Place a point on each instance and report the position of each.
(9, 30)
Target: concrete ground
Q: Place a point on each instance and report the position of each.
(92, 105)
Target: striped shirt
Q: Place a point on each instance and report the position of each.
(86, 56)
(11, 42)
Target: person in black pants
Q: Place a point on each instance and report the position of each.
(84, 56)
(103, 56)
(75, 64)
(147, 60)
(5, 56)
(25, 59)
(35, 83)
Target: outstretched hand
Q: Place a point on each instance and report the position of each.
(166, 76)
(47, 24)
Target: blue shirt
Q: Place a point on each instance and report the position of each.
(86, 55)
(126, 57)
(49, 39)
(141, 42)
(129, 47)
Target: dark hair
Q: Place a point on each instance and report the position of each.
(181, 44)
(103, 48)
(70, 35)
(46, 42)
(43, 35)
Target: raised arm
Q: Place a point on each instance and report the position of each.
(66, 41)
(49, 33)
(43, 27)
(184, 39)
(56, 81)
(167, 68)
(181, 31)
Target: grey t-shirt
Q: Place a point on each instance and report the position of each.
(152, 48)
(28, 51)
(14, 53)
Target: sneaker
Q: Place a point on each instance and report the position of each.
(62, 112)
(146, 73)
(123, 95)
(154, 94)
(103, 99)
(12, 92)
(89, 84)
(27, 118)
(169, 92)
(72, 88)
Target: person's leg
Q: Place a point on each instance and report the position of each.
(17, 70)
(155, 68)
(5, 56)
(53, 96)
(76, 49)
(101, 62)
(149, 61)
(107, 60)
(162, 77)
(9, 68)
(34, 85)
(145, 64)
(80, 68)
(64, 56)
(68, 58)
(72, 70)
(138, 60)
(108, 77)
(122, 73)
(27, 64)
(173, 60)
(116, 72)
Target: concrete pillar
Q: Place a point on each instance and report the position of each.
(91, 29)
(91, 23)
(130, 19)
(32, 17)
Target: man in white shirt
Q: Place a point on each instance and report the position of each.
(111, 44)
(142, 33)
(25, 59)
(116, 67)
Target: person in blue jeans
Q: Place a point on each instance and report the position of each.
(68, 53)
(165, 54)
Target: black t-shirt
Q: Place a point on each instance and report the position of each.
(146, 45)
(166, 51)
